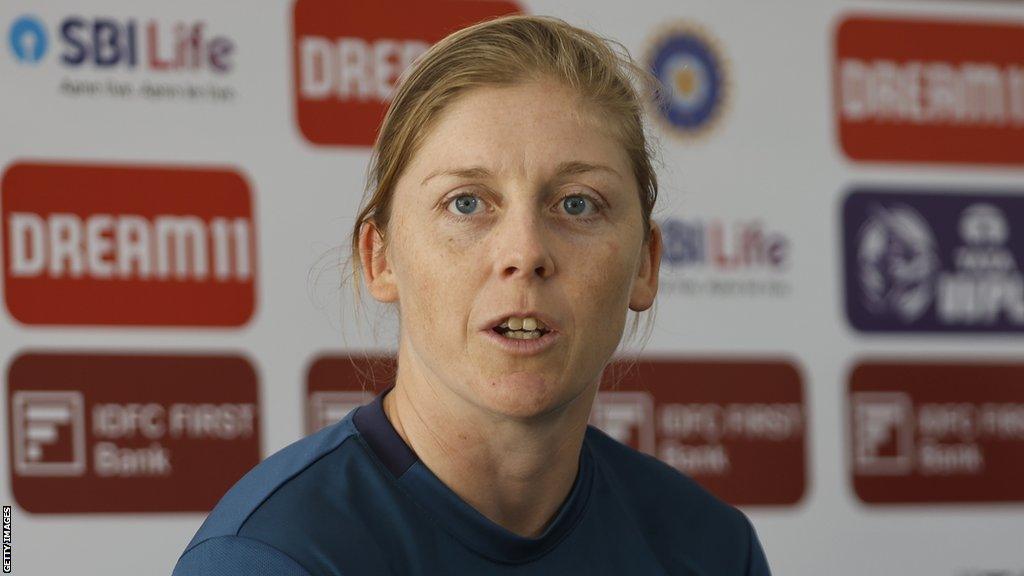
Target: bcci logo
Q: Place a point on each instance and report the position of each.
(27, 39)
(897, 261)
(692, 74)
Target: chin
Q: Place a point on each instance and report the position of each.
(522, 394)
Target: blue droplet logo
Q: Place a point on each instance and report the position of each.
(28, 39)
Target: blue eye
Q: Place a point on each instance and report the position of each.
(465, 203)
(575, 204)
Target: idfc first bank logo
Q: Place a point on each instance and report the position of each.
(347, 57)
(922, 262)
(930, 91)
(91, 433)
(107, 43)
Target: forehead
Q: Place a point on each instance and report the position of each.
(524, 129)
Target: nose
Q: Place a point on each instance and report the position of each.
(522, 246)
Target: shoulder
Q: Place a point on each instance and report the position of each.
(679, 516)
(236, 556)
(221, 532)
(651, 482)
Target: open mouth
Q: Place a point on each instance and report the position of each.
(520, 334)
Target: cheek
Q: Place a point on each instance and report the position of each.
(434, 273)
(602, 282)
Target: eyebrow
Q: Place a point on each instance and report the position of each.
(568, 168)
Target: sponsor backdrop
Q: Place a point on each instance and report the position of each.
(839, 344)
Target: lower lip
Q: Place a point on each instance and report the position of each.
(523, 347)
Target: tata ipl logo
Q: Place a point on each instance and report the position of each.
(934, 262)
(28, 40)
(897, 262)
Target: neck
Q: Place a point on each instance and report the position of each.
(516, 473)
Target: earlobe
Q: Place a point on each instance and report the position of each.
(645, 287)
(375, 265)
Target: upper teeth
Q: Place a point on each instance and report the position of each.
(527, 323)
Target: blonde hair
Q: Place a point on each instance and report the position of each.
(499, 52)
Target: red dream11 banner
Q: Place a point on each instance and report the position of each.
(347, 57)
(128, 245)
(930, 90)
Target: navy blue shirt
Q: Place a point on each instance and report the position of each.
(354, 500)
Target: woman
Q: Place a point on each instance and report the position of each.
(510, 226)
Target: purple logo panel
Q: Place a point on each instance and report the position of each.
(934, 262)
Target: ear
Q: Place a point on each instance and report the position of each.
(376, 267)
(645, 287)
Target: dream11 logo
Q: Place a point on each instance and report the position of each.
(929, 90)
(127, 245)
(107, 43)
(347, 57)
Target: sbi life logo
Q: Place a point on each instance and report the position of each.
(109, 42)
(724, 245)
(27, 39)
(693, 77)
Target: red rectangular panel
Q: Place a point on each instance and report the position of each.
(942, 91)
(129, 433)
(942, 432)
(737, 427)
(128, 245)
(347, 57)
(337, 384)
